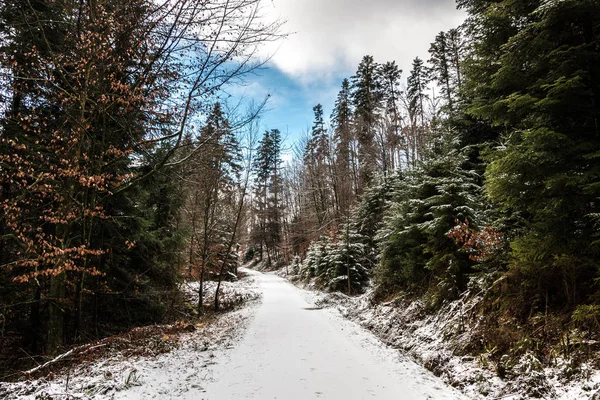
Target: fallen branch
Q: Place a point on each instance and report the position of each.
(31, 371)
(85, 349)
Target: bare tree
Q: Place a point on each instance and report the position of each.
(248, 144)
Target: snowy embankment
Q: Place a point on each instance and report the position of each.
(157, 362)
(230, 293)
(440, 342)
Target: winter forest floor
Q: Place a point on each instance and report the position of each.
(284, 348)
(292, 344)
(160, 362)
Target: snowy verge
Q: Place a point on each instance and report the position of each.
(231, 294)
(440, 342)
(160, 362)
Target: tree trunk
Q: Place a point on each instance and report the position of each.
(231, 241)
(270, 265)
(56, 317)
(201, 290)
(348, 256)
(35, 320)
(79, 307)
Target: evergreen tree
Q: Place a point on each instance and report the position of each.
(457, 52)
(318, 166)
(543, 91)
(345, 158)
(339, 264)
(213, 174)
(267, 229)
(416, 88)
(348, 263)
(275, 201)
(366, 98)
(416, 251)
(143, 271)
(390, 78)
(315, 263)
(416, 98)
(367, 218)
(441, 67)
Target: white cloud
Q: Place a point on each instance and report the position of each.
(333, 35)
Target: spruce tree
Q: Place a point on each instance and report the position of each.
(366, 98)
(213, 175)
(416, 97)
(268, 201)
(318, 166)
(390, 78)
(542, 89)
(416, 252)
(348, 263)
(315, 263)
(440, 60)
(342, 120)
(457, 53)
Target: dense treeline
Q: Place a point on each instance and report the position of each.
(493, 181)
(120, 171)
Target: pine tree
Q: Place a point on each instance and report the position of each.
(390, 78)
(416, 251)
(366, 98)
(542, 90)
(440, 60)
(416, 98)
(348, 263)
(268, 200)
(318, 165)
(345, 176)
(213, 175)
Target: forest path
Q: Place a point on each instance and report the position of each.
(292, 351)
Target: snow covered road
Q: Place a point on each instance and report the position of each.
(292, 351)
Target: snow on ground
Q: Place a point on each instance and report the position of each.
(303, 345)
(293, 350)
(230, 293)
(433, 340)
(165, 375)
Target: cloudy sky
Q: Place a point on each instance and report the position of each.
(328, 40)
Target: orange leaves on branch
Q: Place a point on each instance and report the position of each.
(480, 245)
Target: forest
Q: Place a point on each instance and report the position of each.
(125, 171)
